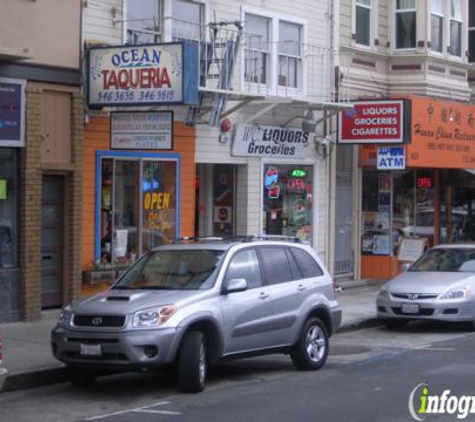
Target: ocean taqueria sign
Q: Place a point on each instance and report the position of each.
(142, 75)
(269, 141)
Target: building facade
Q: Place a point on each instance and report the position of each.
(255, 149)
(41, 121)
(420, 52)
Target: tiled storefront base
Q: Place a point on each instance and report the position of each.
(10, 298)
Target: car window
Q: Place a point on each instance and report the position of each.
(294, 268)
(446, 260)
(173, 270)
(307, 263)
(244, 264)
(275, 264)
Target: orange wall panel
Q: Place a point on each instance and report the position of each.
(97, 137)
(383, 267)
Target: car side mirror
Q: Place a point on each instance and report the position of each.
(235, 285)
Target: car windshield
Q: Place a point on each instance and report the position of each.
(446, 260)
(172, 270)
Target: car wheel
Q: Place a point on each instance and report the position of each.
(395, 324)
(311, 350)
(82, 377)
(192, 362)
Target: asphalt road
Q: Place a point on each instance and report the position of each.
(368, 377)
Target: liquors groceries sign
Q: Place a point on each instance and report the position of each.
(135, 75)
(269, 141)
(374, 122)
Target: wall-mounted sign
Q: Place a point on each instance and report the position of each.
(12, 112)
(443, 134)
(142, 130)
(269, 141)
(371, 122)
(391, 158)
(143, 75)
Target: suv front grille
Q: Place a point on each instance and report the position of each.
(99, 320)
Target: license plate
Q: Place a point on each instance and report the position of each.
(90, 350)
(410, 308)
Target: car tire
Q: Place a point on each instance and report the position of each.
(82, 377)
(192, 362)
(395, 324)
(311, 350)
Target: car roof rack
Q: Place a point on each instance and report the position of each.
(248, 238)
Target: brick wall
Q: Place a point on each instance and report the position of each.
(32, 171)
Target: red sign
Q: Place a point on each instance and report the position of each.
(373, 122)
(424, 182)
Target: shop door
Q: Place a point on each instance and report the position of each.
(343, 260)
(52, 242)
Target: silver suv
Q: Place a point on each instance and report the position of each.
(196, 304)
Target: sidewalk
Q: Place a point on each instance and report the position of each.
(27, 353)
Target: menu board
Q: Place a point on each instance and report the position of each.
(411, 249)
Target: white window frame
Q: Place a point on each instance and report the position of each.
(166, 20)
(470, 28)
(372, 26)
(444, 28)
(299, 60)
(272, 84)
(395, 12)
(461, 22)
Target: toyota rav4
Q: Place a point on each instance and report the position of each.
(196, 304)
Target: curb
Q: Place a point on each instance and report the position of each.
(36, 378)
(359, 324)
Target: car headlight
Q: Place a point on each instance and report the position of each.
(153, 317)
(458, 293)
(383, 291)
(65, 317)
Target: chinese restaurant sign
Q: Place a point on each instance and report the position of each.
(12, 112)
(373, 122)
(443, 134)
(269, 141)
(143, 75)
(142, 130)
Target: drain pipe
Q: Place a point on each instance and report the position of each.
(3, 371)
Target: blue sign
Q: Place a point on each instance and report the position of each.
(12, 107)
(391, 158)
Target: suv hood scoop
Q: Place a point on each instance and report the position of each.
(120, 298)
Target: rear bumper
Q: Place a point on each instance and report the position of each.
(126, 350)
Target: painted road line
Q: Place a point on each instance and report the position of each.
(95, 418)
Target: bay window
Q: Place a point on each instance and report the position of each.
(456, 27)
(405, 24)
(363, 22)
(143, 19)
(437, 25)
(187, 20)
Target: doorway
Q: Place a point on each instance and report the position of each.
(215, 200)
(52, 235)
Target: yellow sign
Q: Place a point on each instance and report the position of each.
(156, 201)
(3, 189)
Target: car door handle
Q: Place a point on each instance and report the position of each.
(263, 295)
(301, 288)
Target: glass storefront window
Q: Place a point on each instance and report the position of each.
(377, 197)
(8, 207)
(288, 201)
(138, 207)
